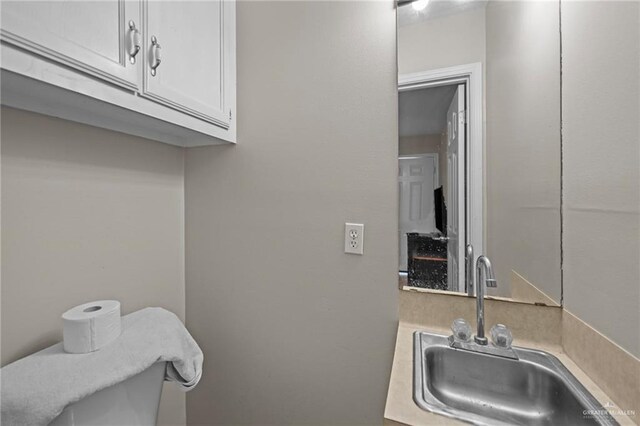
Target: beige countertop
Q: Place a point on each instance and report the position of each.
(401, 409)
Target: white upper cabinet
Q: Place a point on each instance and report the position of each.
(191, 74)
(90, 36)
(159, 69)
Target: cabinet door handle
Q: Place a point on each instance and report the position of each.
(155, 55)
(134, 42)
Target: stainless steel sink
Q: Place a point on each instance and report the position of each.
(535, 389)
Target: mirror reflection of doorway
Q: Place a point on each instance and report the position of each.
(431, 182)
(417, 178)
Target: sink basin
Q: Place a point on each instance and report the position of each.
(535, 389)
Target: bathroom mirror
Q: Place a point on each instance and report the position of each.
(479, 145)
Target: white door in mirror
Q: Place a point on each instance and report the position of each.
(353, 238)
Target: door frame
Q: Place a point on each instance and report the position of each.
(471, 76)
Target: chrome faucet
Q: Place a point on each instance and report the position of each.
(468, 257)
(484, 277)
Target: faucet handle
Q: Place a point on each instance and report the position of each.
(491, 282)
(501, 336)
(461, 330)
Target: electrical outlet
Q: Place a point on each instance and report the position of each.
(353, 238)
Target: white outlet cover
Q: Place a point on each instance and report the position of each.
(353, 238)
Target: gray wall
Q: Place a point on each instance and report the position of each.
(442, 42)
(87, 214)
(294, 331)
(601, 96)
(523, 143)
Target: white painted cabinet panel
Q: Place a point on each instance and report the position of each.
(91, 36)
(73, 59)
(192, 75)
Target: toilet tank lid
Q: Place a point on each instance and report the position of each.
(36, 389)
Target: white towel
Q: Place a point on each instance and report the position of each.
(36, 389)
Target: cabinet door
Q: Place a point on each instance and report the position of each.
(91, 36)
(197, 43)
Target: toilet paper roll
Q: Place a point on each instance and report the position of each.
(91, 326)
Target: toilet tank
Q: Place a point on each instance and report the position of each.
(133, 402)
